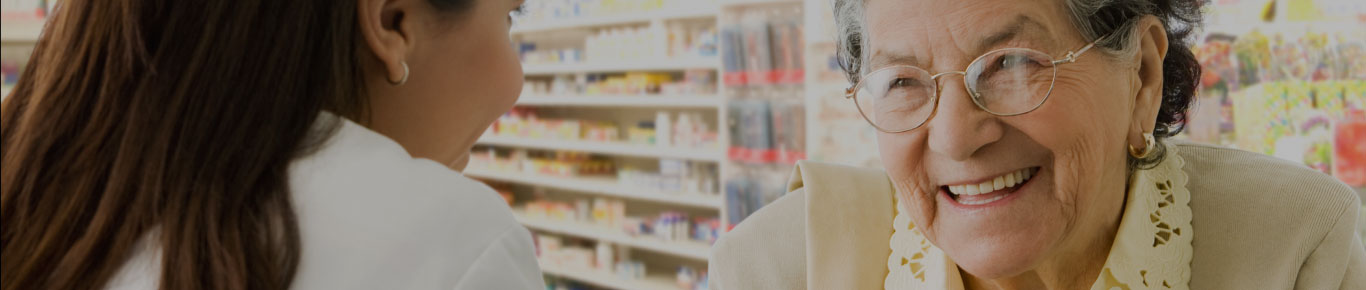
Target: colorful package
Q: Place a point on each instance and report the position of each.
(1349, 150)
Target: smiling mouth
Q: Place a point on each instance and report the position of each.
(990, 190)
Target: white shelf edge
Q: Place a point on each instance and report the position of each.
(1280, 27)
(601, 187)
(674, 64)
(650, 101)
(606, 279)
(619, 149)
(20, 30)
(691, 250)
(734, 3)
(665, 13)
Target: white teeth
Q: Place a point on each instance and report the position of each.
(970, 190)
(998, 183)
(969, 202)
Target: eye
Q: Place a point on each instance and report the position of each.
(902, 83)
(1013, 61)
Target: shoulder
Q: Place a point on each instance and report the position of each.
(766, 251)
(836, 220)
(362, 201)
(829, 178)
(1254, 209)
(1256, 186)
(359, 169)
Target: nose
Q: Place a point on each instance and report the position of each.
(959, 129)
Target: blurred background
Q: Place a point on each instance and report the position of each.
(647, 128)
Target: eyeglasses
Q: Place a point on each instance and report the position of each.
(1003, 82)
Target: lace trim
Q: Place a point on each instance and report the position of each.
(1152, 248)
(914, 262)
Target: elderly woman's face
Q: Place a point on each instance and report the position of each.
(1071, 148)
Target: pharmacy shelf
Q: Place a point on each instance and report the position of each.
(610, 148)
(1288, 28)
(609, 280)
(690, 250)
(667, 64)
(667, 13)
(733, 3)
(600, 186)
(641, 101)
(20, 31)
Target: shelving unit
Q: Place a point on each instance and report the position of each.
(567, 39)
(603, 186)
(677, 64)
(18, 35)
(604, 279)
(667, 13)
(20, 31)
(736, 3)
(619, 149)
(637, 101)
(689, 250)
(662, 255)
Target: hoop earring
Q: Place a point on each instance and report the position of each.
(403, 80)
(1148, 144)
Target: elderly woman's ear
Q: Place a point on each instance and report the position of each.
(1151, 52)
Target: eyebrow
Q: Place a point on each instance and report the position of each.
(1016, 27)
(1010, 32)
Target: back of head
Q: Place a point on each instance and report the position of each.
(175, 116)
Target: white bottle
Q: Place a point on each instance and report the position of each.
(604, 256)
(683, 131)
(663, 129)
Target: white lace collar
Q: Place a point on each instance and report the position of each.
(1152, 249)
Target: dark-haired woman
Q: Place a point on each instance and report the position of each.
(1025, 146)
(260, 144)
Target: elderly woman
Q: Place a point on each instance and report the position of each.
(1025, 148)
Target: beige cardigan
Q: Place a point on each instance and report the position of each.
(1258, 223)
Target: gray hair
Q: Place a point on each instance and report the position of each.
(1115, 20)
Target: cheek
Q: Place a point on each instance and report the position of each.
(1084, 129)
(505, 70)
(488, 73)
(502, 45)
(902, 156)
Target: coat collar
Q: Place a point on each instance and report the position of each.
(849, 218)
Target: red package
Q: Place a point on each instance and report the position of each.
(1349, 150)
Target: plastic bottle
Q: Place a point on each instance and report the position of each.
(604, 256)
(683, 131)
(663, 129)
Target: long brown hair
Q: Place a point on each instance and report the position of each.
(175, 116)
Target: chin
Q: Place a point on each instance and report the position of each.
(1003, 238)
(1003, 249)
(994, 262)
(460, 162)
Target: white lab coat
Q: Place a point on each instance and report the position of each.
(372, 217)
